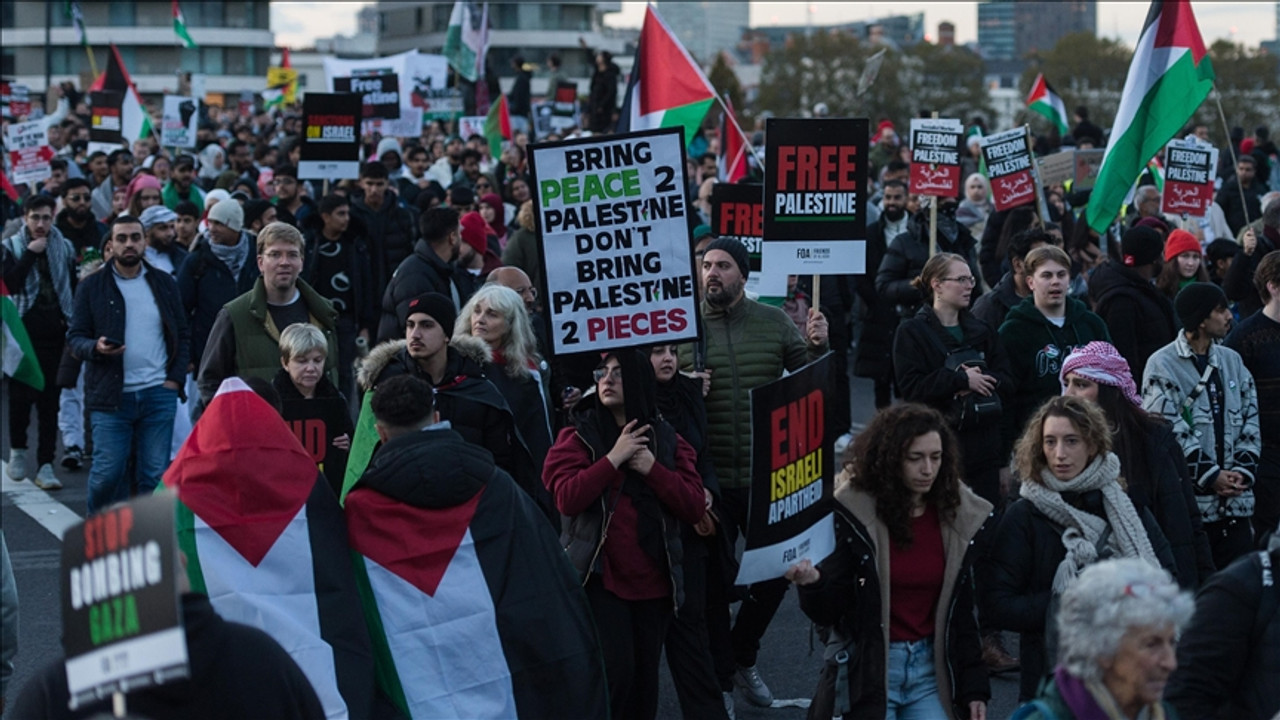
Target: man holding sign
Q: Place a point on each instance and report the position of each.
(747, 345)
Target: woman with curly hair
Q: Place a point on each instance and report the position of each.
(1073, 511)
(897, 592)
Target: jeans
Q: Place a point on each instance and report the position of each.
(913, 682)
(143, 421)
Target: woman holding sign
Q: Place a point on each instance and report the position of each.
(897, 594)
(627, 482)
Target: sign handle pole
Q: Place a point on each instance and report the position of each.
(817, 293)
(1244, 205)
(933, 218)
(1042, 208)
(118, 704)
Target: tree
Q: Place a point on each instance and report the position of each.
(1085, 70)
(948, 80)
(1249, 81)
(725, 81)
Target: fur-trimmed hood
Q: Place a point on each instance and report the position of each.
(370, 368)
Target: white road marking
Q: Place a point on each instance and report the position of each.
(40, 505)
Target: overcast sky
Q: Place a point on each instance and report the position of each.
(298, 24)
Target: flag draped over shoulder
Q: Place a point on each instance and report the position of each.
(1045, 101)
(1171, 74)
(667, 88)
(180, 27)
(20, 361)
(135, 121)
(466, 37)
(265, 540)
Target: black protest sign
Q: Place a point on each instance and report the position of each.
(614, 222)
(379, 94)
(1008, 161)
(792, 473)
(737, 211)
(105, 117)
(815, 193)
(316, 423)
(935, 157)
(1188, 178)
(330, 137)
(121, 627)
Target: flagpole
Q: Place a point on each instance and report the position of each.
(1244, 205)
(93, 64)
(746, 141)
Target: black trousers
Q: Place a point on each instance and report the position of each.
(22, 398)
(631, 634)
(688, 645)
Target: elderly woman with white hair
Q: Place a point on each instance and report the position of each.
(1117, 628)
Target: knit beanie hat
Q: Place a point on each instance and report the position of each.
(229, 213)
(254, 210)
(475, 231)
(736, 250)
(434, 305)
(1141, 245)
(1196, 301)
(1180, 241)
(155, 215)
(388, 144)
(1102, 363)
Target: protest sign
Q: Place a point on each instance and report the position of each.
(408, 125)
(1008, 161)
(815, 194)
(935, 156)
(29, 151)
(441, 104)
(1058, 167)
(420, 80)
(121, 626)
(379, 94)
(564, 106)
(316, 422)
(246, 104)
(181, 116)
(737, 211)
(1088, 163)
(284, 79)
(1188, 178)
(470, 125)
(104, 122)
(792, 474)
(16, 99)
(614, 222)
(330, 141)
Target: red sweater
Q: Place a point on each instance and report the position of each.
(576, 482)
(915, 580)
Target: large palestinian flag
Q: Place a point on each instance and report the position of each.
(473, 609)
(667, 88)
(1170, 76)
(265, 540)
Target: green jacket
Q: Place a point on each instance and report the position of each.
(169, 194)
(258, 339)
(1036, 348)
(748, 345)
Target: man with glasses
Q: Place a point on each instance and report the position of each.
(76, 221)
(120, 171)
(39, 266)
(292, 205)
(181, 186)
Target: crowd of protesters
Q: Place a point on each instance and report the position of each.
(1048, 398)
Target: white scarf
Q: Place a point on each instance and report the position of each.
(1083, 530)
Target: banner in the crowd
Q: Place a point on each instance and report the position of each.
(1189, 170)
(409, 124)
(792, 473)
(181, 116)
(420, 78)
(16, 99)
(1058, 167)
(121, 626)
(442, 104)
(1088, 163)
(614, 222)
(1008, 159)
(737, 211)
(935, 156)
(105, 128)
(470, 125)
(29, 151)
(330, 137)
(379, 93)
(815, 196)
(285, 79)
(564, 106)
(542, 120)
(245, 105)
(316, 423)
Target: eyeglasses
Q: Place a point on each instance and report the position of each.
(963, 280)
(602, 373)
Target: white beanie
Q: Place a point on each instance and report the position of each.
(229, 213)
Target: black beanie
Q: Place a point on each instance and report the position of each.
(1196, 301)
(1141, 245)
(736, 250)
(437, 306)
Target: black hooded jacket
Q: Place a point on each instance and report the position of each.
(1139, 317)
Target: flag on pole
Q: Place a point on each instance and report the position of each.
(1045, 101)
(180, 27)
(732, 163)
(870, 71)
(667, 88)
(72, 9)
(497, 126)
(1171, 74)
(466, 38)
(20, 361)
(291, 90)
(135, 121)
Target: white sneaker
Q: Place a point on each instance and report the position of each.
(752, 686)
(17, 469)
(45, 479)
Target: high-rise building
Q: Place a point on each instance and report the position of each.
(367, 21)
(706, 28)
(896, 30)
(1010, 30)
(234, 38)
(997, 37)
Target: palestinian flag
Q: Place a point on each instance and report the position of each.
(135, 122)
(1170, 76)
(473, 609)
(667, 88)
(72, 11)
(731, 166)
(20, 361)
(1044, 100)
(467, 38)
(180, 27)
(497, 126)
(265, 540)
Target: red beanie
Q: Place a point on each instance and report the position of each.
(1180, 241)
(475, 231)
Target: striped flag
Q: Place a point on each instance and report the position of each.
(72, 9)
(20, 361)
(667, 88)
(1045, 101)
(265, 540)
(467, 38)
(135, 121)
(732, 163)
(180, 27)
(497, 126)
(1171, 74)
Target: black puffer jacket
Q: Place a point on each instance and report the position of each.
(206, 284)
(359, 273)
(905, 258)
(421, 272)
(390, 232)
(1139, 316)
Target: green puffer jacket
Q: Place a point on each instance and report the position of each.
(258, 338)
(748, 345)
